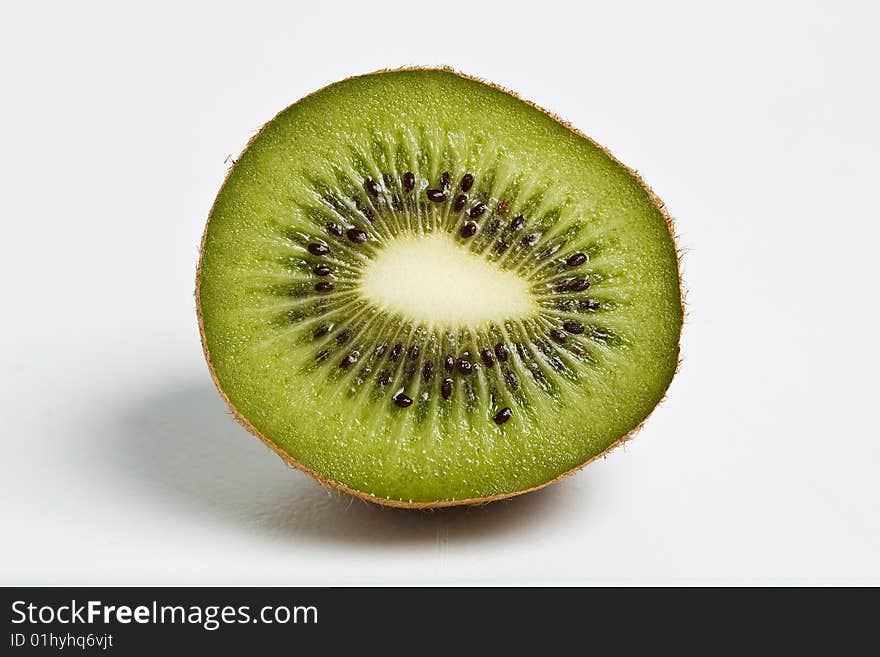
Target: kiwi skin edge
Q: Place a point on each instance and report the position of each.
(475, 501)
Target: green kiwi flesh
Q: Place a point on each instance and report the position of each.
(425, 291)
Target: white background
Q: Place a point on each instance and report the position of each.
(756, 123)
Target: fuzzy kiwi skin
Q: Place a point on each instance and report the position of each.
(337, 486)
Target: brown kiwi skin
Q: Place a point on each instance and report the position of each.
(473, 501)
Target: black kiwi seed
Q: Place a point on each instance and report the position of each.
(348, 361)
(588, 304)
(428, 372)
(446, 388)
(468, 230)
(576, 259)
(402, 400)
(384, 378)
(388, 180)
(477, 210)
(356, 235)
(529, 239)
(558, 336)
(467, 182)
(448, 364)
(380, 350)
(459, 202)
(371, 186)
(322, 270)
(573, 327)
(322, 355)
(444, 180)
(501, 352)
(324, 286)
(409, 181)
(512, 380)
(396, 350)
(414, 352)
(493, 227)
(436, 195)
(343, 336)
(318, 249)
(322, 330)
(518, 221)
(577, 285)
(465, 366)
(334, 229)
(487, 357)
(501, 247)
(397, 202)
(368, 214)
(503, 415)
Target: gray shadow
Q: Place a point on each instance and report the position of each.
(182, 448)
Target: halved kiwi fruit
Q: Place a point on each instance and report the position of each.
(422, 290)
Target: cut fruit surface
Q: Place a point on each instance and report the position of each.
(425, 291)
(432, 281)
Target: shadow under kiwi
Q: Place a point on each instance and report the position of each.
(181, 446)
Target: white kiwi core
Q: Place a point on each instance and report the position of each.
(433, 280)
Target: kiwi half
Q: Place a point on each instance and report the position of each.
(424, 291)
